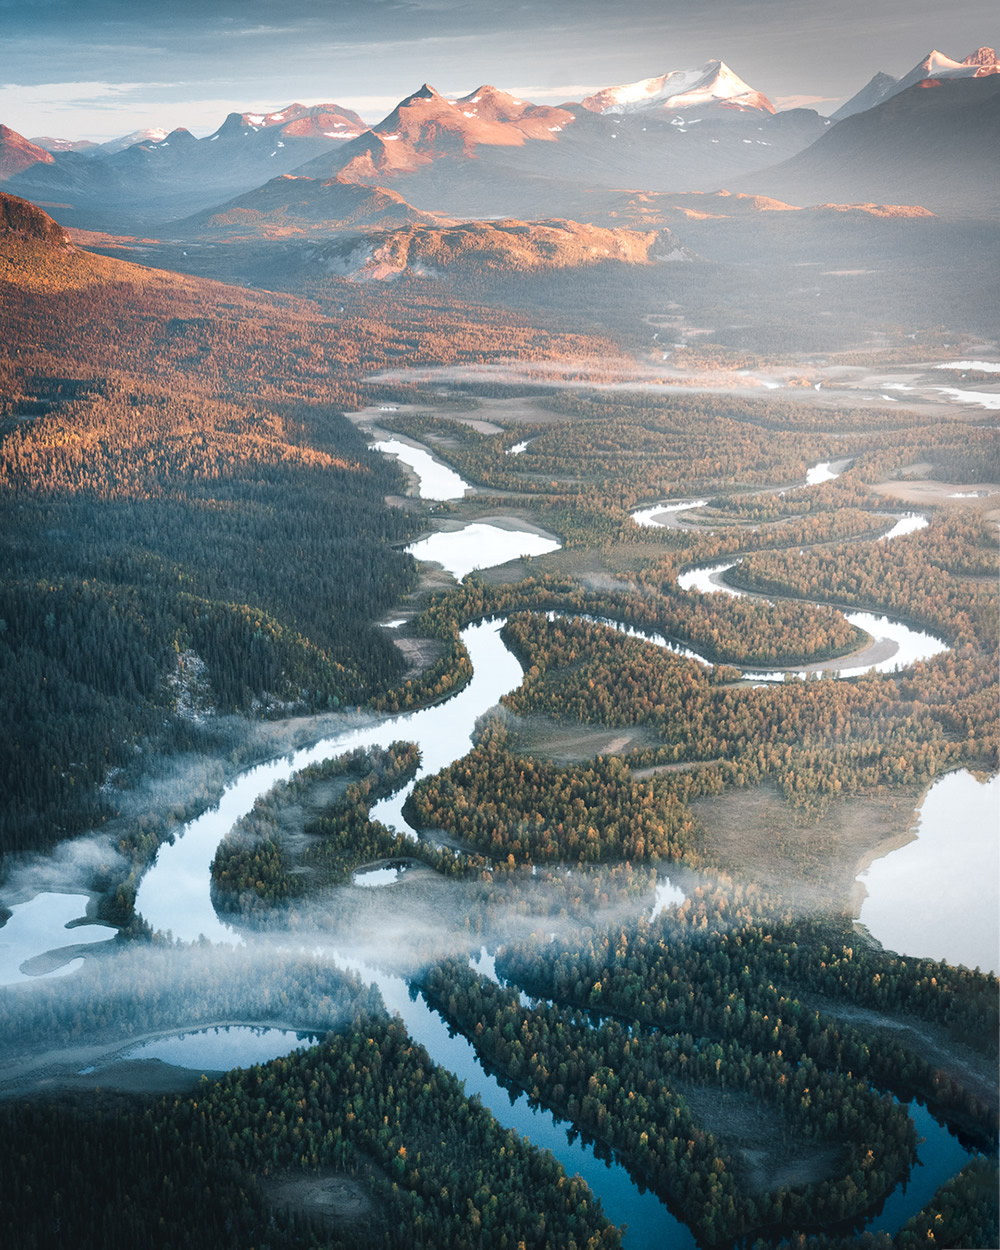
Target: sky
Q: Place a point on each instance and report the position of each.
(97, 69)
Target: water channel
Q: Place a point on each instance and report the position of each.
(174, 895)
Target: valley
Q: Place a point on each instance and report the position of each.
(500, 674)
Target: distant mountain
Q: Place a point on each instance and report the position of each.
(294, 121)
(500, 247)
(712, 87)
(880, 88)
(935, 66)
(148, 177)
(986, 58)
(150, 134)
(18, 154)
(490, 154)
(290, 205)
(425, 127)
(51, 144)
(931, 144)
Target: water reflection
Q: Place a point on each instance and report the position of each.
(937, 897)
(907, 524)
(435, 480)
(222, 1048)
(479, 546)
(40, 926)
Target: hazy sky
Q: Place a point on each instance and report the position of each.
(100, 68)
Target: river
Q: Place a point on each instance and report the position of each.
(174, 895)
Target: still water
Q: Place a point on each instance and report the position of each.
(937, 896)
(480, 546)
(40, 926)
(435, 480)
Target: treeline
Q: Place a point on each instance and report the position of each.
(619, 1084)
(746, 983)
(367, 1105)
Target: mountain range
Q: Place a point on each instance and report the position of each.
(923, 138)
(935, 66)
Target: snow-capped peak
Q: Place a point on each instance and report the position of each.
(936, 65)
(151, 134)
(712, 83)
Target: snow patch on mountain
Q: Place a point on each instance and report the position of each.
(712, 84)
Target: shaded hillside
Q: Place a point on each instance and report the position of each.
(18, 154)
(932, 144)
(189, 525)
(291, 205)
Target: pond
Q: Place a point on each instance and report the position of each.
(435, 481)
(374, 878)
(909, 523)
(937, 897)
(223, 1047)
(480, 546)
(40, 926)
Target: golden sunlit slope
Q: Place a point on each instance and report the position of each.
(62, 309)
(36, 255)
(494, 247)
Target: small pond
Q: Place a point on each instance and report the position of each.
(937, 896)
(40, 926)
(435, 480)
(219, 1049)
(480, 546)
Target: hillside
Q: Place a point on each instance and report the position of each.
(496, 248)
(167, 442)
(290, 205)
(928, 145)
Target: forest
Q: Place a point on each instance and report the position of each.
(200, 553)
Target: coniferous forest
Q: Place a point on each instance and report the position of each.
(629, 901)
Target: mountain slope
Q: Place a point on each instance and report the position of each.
(290, 205)
(18, 153)
(929, 145)
(873, 93)
(935, 65)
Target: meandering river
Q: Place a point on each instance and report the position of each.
(174, 895)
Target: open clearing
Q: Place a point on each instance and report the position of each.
(813, 863)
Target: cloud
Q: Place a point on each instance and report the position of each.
(104, 110)
(68, 94)
(567, 92)
(804, 101)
